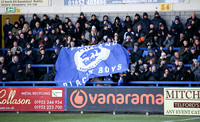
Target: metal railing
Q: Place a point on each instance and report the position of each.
(157, 84)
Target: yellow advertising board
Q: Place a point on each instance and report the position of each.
(182, 101)
(165, 7)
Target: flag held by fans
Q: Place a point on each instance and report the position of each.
(75, 66)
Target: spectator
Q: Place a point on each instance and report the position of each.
(174, 57)
(7, 27)
(139, 33)
(29, 73)
(22, 21)
(93, 41)
(46, 42)
(145, 22)
(152, 74)
(25, 29)
(150, 58)
(19, 54)
(104, 22)
(192, 55)
(189, 32)
(129, 32)
(193, 20)
(86, 31)
(82, 20)
(19, 74)
(128, 21)
(150, 34)
(37, 29)
(54, 55)
(13, 65)
(15, 28)
(58, 44)
(45, 20)
(22, 41)
(146, 51)
(136, 22)
(5, 75)
(189, 76)
(196, 70)
(42, 58)
(116, 25)
(141, 74)
(94, 21)
(196, 45)
(128, 42)
(8, 56)
(162, 34)
(168, 41)
(9, 41)
(105, 32)
(180, 71)
(15, 46)
(157, 20)
(177, 25)
(167, 75)
(77, 31)
(184, 51)
(56, 21)
(136, 53)
(34, 20)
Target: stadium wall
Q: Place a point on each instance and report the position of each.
(183, 10)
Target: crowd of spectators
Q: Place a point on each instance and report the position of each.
(22, 37)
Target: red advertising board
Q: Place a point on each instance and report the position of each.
(32, 99)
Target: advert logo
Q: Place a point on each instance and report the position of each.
(56, 93)
(78, 100)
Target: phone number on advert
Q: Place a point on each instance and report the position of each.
(48, 107)
(86, 2)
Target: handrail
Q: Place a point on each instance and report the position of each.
(52, 49)
(51, 65)
(150, 83)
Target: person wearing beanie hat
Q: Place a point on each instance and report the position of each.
(136, 21)
(128, 21)
(104, 22)
(177, 25)
(157, 20)
(82, 20)
(193, 54)
(145, 22)
(94, 22)
(150, 58)
(54, 55)
(34, 20)
(15, 28)
(93, 41)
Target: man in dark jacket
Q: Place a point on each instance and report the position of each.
(82, 20)
(152, 74)
(157, 20)
(34, 20)
(7, 27)
(136, 53)
(145, 22)
(42, 58)
(5, 75)
(180, 71)
(94, 21)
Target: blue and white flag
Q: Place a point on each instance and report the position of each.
(75, 66)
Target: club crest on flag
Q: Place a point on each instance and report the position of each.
(89, 57)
